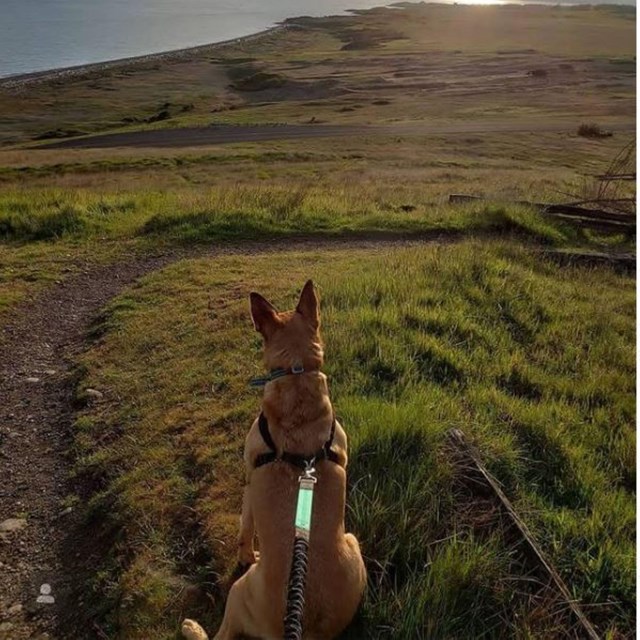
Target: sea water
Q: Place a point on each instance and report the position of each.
(36, 35)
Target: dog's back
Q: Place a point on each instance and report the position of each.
(336, 575)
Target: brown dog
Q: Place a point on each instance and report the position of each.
(300, 421)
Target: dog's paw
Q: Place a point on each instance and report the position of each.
(191, 630)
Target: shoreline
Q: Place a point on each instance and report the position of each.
(30, 78)
(22, 80)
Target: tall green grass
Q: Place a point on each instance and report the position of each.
(237, 212)
(540, 369)
(534, 362)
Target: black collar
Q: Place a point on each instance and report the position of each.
(274, 374)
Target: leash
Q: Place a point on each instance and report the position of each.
(306, 481)
(300, 560)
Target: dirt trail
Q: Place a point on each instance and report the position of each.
(226, 134)
(37, 349)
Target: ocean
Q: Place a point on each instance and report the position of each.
(36, 35)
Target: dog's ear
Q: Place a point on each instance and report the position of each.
(263, 314)
(309, 306)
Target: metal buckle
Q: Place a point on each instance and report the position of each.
(297, 368)
(309, 471)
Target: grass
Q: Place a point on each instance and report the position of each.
(524, 166)
(30, 224)
(59, 210)
(535, 362)
(28, 268)
(243, 212)
(48, 234)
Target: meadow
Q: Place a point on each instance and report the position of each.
(533, 361)
(61, 211)
(417, 63)
(435, 315)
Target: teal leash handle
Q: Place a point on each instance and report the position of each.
(305, 506)
(300, 560)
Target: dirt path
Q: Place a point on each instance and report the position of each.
(36, 352)
(37, 349)
(225, 134)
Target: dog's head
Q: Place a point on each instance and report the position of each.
(291, 338)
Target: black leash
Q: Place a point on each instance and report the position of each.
(307, 481)
(295, 590)
(300, 560)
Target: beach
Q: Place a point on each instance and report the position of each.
(38, 35)
(21, 80)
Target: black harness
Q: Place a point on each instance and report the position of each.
(297, 460)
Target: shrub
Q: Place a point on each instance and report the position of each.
(41, 226)
(259, 81)
(591, 130)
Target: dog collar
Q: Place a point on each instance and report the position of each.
(274, 374)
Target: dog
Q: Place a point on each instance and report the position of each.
(300, 422)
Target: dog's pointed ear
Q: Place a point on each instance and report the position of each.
(263, 314)
(309, 305)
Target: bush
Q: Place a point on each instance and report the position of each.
(259, 81)
(40, 226)
(591, 130)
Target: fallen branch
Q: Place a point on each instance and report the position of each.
(620, 176)
(605, 219)
(458, 438)
(623, 205)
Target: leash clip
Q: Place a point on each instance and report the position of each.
(308, 475)
(297, 368)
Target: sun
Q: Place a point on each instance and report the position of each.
(477, 2)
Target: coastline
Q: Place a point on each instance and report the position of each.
(23, 80)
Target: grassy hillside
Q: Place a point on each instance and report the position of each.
(525, 65)
(60, 211)
(430, 62)
(47, 235)
(534, 362)
(463, 321)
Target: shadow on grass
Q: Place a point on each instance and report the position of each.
(207, 225)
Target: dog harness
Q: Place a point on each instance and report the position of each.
(304, 504)
(295, 459)
(304, 509)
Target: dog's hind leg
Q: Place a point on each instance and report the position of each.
(191, 630)
(238, 617)
(246, 551)
(357, 575)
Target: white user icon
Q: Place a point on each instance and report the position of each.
(45, 596)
